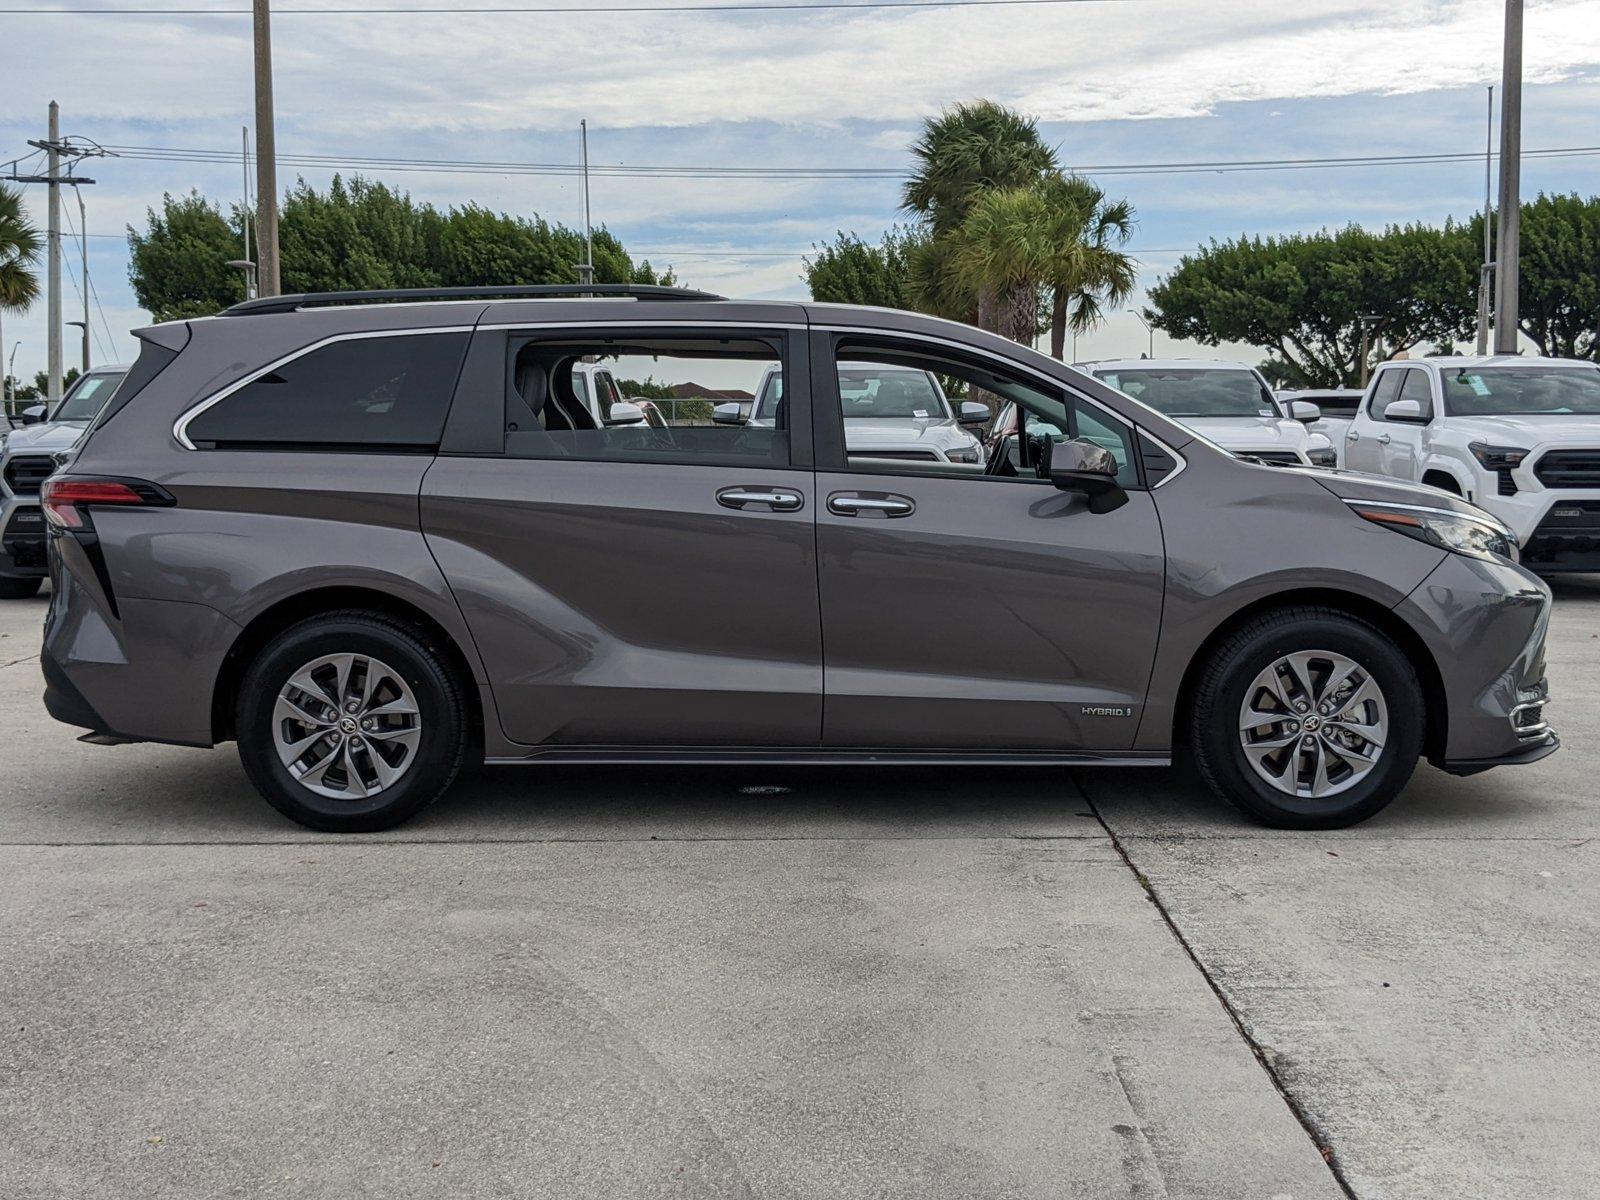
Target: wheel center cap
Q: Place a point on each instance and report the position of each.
(347, 725)
(1312, 724)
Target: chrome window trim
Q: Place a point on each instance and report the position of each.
(1013, 364)
(180, 427)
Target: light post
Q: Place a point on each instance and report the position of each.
(83, 325)
(249, 269)
(10, 372)
(1368, 320)
(1148, 329)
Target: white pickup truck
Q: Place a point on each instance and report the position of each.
(1517, 436)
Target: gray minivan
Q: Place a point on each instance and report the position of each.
(370, 535)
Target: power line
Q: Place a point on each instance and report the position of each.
(77, 291)
(778, 6)
(638, 171)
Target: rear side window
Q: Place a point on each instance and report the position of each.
(386, 394)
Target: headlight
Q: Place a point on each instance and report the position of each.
(1497, 458)
(966, 454)
(1477, 536)
(1323, 458)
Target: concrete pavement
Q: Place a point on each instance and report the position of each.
(901, 983)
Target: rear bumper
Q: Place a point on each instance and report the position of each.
(147, 673)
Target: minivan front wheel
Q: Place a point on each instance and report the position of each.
(350, 722)
(1307, 718)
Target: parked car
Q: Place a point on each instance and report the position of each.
(367, 540)
(1228, 402)
(597, 388)
(1517, 436)
(890, 412)
(1337, 407)
(29, 454)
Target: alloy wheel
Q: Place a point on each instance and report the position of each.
(1313, 723)
(346, 726)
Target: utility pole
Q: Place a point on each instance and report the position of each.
(267, 272)
(586, 267)
(1486, 272)
(1508, 267)
(53, 279)
(55, 149)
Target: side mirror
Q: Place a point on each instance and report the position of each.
(33, 414)
(1408, 411)
(624, 413)
(727, 414)
(1304, 411)
(972, 413)
(1080, 466)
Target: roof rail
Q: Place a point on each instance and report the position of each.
(532, 291)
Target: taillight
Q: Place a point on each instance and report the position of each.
(66, 496)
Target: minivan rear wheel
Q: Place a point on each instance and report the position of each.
(1307, 718)
(350, 722)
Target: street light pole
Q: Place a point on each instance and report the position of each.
(1508, 272)
(1368, 320)
(1148, 329)
(83, 254)
(586, 267)
(1486, 271)
(53, 278)
(267, 269)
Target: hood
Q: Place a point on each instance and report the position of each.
(1573, 429)
(1249, 433)
(1357, 485)
(44, 438)
(886, 433)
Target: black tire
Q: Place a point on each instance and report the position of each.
(1219, 695)
(12, 588)
(425, 670)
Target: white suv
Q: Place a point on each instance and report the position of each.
(1227, 402)
(1519, 437)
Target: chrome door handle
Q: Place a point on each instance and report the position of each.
(1352, 436)
(775, 499)
(850, 504)
(1384, 439)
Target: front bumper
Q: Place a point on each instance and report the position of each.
(1559, 530)
(1484, 624)
(22, 538)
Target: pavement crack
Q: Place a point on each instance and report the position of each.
(1318, 1138)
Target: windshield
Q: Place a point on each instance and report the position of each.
(891, 393)
(87, 396)
(1521, 391)
(1183, 392)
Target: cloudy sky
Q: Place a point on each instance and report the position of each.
(1114, 83)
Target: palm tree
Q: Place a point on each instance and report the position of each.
(965, 152)
(1056, 237)
(1090, 271)
(19, 250)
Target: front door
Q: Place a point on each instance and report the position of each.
(977, 607)
(634, 585)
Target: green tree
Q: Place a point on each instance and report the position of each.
(179, 265)
(1303, 297)
(1088, 271)
(1558, 295)
(965, 152)
(362, 235)
(849, 271)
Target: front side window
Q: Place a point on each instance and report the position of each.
(1416, 387)
(386, 394)
(912, 428)
(1181, 392)
(1384, 392)
(1521, 391)
(701, 387)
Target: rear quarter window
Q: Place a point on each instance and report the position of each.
(388, 393)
